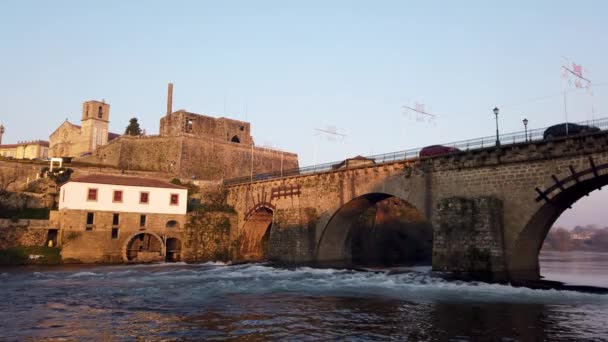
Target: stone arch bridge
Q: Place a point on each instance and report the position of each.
(490, 209)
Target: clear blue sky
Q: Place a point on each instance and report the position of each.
(289, 67)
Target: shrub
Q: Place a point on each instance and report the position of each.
(20, 255)
(26, 214)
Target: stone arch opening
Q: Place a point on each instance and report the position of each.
(255, 234)
(524, 257)
(376, 229)
(235, 139)
(145, 247)
(174, 250)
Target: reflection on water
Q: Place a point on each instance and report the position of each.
(575, 267)
(215, 301)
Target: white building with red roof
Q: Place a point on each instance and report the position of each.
(123, 194)
(109, 218)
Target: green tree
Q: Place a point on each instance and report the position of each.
(133, 128)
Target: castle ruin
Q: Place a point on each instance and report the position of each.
(195, 146)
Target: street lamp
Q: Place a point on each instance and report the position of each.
(526, 128)
(496, 114)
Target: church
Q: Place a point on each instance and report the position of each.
(72, 141)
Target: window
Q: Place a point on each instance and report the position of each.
(189, 125)
(242, 128)
(172, 224)
(235, 139)
(144, 197)
(117, 196)
(100, 113)
(90, 220)
(142, 220)
(115, 220)
(114, 233)
(63, 195)
(92, 195)
(174, 199)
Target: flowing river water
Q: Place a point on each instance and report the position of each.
(214, 301)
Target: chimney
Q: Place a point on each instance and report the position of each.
(170, 99)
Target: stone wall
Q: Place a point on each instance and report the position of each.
(25, 170)
(95, 243)
(208, 237)
(189, 156)
(152, 153)
(23, 233)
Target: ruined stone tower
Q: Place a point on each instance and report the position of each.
(95, 120)
(196, 125)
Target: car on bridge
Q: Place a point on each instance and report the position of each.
(436, 150)
(564, 129)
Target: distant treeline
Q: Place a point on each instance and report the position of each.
(581, 238)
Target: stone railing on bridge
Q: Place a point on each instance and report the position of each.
(507, 139)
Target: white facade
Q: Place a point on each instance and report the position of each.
(75, 195)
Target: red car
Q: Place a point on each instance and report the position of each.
(437, 150)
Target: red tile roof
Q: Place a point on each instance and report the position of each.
(124, 180)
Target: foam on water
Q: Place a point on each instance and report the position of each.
(211, 279)
(216, 299)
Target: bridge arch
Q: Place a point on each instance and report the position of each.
(523, 262)
(255, 233)
(376, 229)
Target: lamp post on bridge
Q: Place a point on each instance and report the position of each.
(525, 121)
(496, 114)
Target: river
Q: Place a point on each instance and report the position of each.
(214, 301)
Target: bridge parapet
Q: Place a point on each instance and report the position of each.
(523, 152)
(481, 147)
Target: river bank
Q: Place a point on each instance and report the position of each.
(30, 255)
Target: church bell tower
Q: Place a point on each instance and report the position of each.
(95, 121)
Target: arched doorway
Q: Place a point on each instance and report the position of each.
(376, 229)
(255, 234)
(145, 247)
(524, 256)
(235, 139)
(174, 250)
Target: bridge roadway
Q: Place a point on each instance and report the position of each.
(489, 209)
